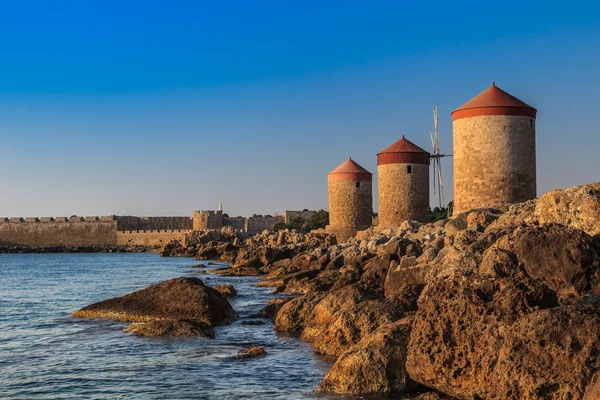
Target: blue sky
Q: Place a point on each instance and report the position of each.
(156, 108)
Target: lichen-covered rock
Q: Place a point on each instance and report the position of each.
(174, 299)
(461, 325)
(577, 207)
(375, 365)
(172, 328)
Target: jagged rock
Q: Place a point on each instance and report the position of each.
(460, 328)
(228, 291)
(323, 314)
(499, 262)
(271, 309)
(291, 316)
(175, 249)
(174, 299)
(432, 396)
(252, 352)
(352, 324)
(565, 258)
(577, 207)
(375, 365)
(407, 273)
(375, 272)
(172, 328)
(253, 322)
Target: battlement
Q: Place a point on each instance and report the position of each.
(152, 231)
(45, 220)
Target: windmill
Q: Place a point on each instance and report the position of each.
(438, 182)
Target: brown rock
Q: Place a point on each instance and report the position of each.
(178, 299)
(565, 258)
(252, 352)
(323, 313)
(375, 272)
(375, 365)
(460, 329)
(352, 324)
(577, 207)
(291, 316)
(228, 291)
(172, 328)
(499, 262)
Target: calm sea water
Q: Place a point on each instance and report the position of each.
(47, 354)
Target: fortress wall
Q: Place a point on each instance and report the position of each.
(203, 220)
(237, 223)
(132, 223)
(256, 224)
(151, 237)
(292, 215)
(74, 231)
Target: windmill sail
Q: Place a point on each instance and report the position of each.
(436, 156)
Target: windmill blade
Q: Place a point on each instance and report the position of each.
(441, 183)
(432, 142)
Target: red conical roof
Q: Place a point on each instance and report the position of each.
(403, 152)
(493, 101)
(349, 170)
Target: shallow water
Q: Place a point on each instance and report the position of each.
(47, 354)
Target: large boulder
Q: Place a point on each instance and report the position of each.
(460, 327)
(550, 354)
(578, 207)
(172, 328)
(565, 258)
(375, 365)
(292, 315)
(324, 313)
(174, 299)
(352, 324)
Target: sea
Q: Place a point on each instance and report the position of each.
(45, 353)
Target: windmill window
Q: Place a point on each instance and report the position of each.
(409, 169)
(357, 185)
(531, 123)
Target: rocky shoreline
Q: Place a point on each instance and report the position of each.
(491, 304)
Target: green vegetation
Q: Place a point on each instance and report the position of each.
(317, 221)
(438, 214)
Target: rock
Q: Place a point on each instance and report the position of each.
(270, 310)
(375, 271)
(517, 215)
(480, 219)
(551, 354)
(281, 238)
(432, 396)
(291, 316)
(175, 299)
(175, 249)
(565, 258)
(252, 352)
(499, 262)
(198, 266)
(323, 313)
(172, 328)
(228, 291)
(577, 207)
(375, 365)
(253, 322)
(460, 328)
(407, 273)
(352, 324)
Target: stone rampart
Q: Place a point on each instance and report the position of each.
(259, 223)
(290, 216)
(151, 237)
(132, 223)
(59, 231)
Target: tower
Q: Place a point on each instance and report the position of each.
(403, 174)
(350, 199)
(494, 151)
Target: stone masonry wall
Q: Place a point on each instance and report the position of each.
(350, 206)
(150, 238)
(403, 196)
(289, 215)
(60, 231)
(131, 223)
(203, 220)
(494, 161)
(237, 223)
(256, 224)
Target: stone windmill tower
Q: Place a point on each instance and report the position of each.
(403, 183)
(494, 151)
(350, 199)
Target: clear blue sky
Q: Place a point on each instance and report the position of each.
(158, 108)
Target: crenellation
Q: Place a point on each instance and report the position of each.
(31, 219)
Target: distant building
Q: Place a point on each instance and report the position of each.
(494, 151)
